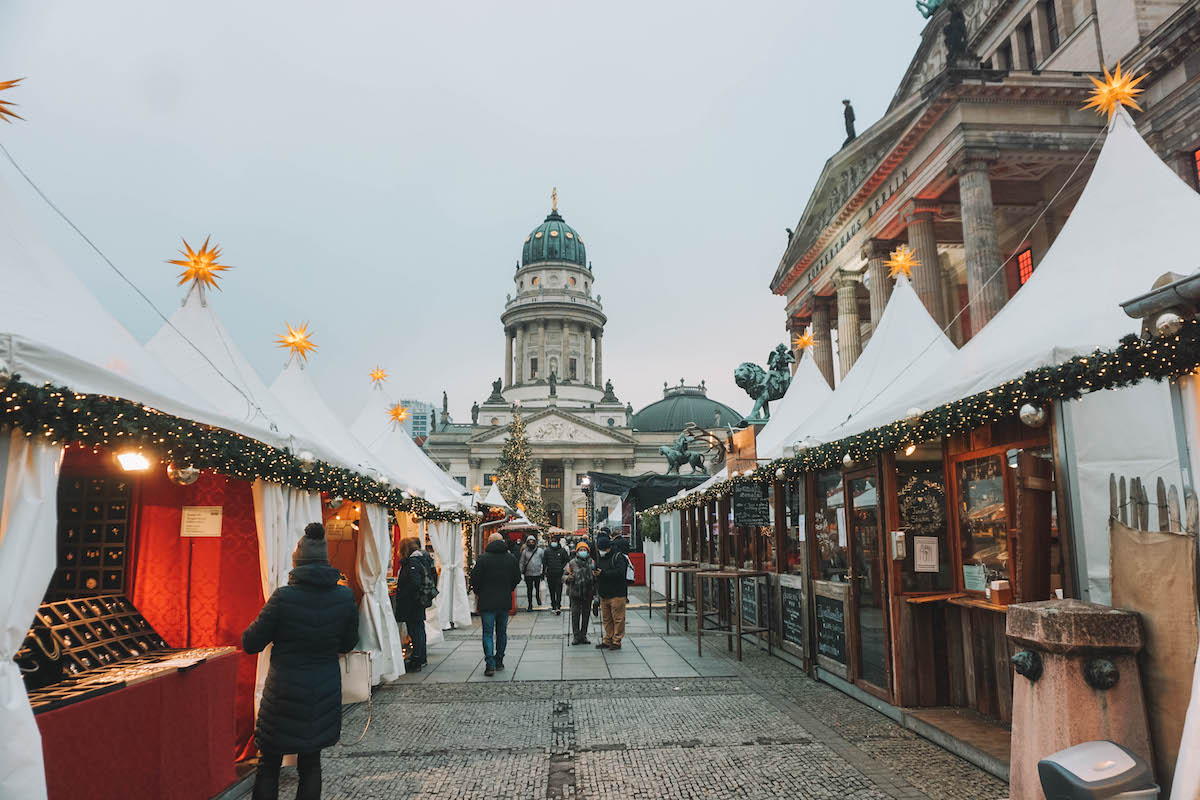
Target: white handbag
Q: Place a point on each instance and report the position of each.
(356, 676)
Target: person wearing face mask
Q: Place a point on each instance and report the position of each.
(612, 566)
(553, 563)
(530, 562)
(580, 578)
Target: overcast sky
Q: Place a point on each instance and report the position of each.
(373, 168)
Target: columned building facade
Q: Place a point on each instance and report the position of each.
(979, 160)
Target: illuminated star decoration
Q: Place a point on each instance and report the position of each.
(296, 340)
(803, 341)
(199, 265)
(902, 262)
(378, 375)
(6, 105)
(1114, 91)
(398, 413)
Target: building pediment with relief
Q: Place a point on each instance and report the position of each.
(554, 427)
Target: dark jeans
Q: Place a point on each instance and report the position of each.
(494, 622)
(533, 582)
(554, 582)
(266, 781)
(416, 632)
(580, 610)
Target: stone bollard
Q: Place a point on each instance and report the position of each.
(1077, 680)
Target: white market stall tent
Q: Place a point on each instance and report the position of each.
(807, 392)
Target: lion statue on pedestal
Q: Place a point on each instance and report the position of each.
(764, 386)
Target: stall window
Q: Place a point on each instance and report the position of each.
(982, 521)
(829, 526)
(791, 560)
(921, 503)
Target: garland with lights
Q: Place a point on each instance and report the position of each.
(61, 415)
(1131, 362)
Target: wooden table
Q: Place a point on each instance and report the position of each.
(650, 583)
(678, 572)
(735, 629)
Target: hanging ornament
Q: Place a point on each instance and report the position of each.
(902, 262)
(913, 415)
(184, 476)
(378, 375)
(307, 461)
(1114, 91)
(398, 413)
(803, 341)
(1033, 416)
(297, 340)
(5, 373)
(334, 503)
(847, 461)
(199, 266)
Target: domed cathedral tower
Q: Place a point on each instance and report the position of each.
(554, 325)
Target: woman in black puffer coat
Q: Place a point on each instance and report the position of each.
(309, 621)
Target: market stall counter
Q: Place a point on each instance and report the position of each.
(736, 626)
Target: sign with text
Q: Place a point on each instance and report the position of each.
(831, 629)
(749, 602)
(339, 530)
(200, 522)
(751, 505)
(791, 601)
(925, 554)
(742, 454)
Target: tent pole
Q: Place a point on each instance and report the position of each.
(1064, 467)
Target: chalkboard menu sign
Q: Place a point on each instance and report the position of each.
(751, 508)
(792, 606)
(831, 629)
(749, 602)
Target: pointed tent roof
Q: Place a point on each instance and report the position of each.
(495, 499)
(222, 377)
(399, 454)
(1134, 220)
(906, 350)
(296, 392)
(805, 394)
(77, 343)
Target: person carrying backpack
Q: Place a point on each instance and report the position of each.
(612, 584)
(412, 592)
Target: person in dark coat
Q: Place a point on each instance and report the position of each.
(494, 578)
(553, 563)
(613, 588)
(309, 622)
(409, 609)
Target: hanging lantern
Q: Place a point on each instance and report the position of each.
(1033, 416)
(184, 476)
(307, 461)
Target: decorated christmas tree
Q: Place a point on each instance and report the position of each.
(518, 484)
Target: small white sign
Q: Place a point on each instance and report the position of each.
(339, 530)
(200, 521)
(925, 554)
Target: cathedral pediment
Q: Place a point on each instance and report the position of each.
(554, 426)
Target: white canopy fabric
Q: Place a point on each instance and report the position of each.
(495, 499)
(453, 607)
(907, 350)
(805, 394)
(1135, 220)
(232, 387)
(399, 454)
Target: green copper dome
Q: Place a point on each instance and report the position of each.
(553, 240)
(681, 405)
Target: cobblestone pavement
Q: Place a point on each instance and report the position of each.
(653, 720)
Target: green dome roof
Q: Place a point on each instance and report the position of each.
(681, 405)
(553, 240)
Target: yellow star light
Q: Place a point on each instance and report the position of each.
(6, 105)
(199, 265)
(378, 375)
(398, 413)
(803, 341)
(902, 262)
(1114, 91)
(297, 340)
(476, 489)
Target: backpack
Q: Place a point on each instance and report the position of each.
(427, 589)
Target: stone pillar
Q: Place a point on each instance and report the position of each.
(954, 322)
(587, 354)
(927, 275)
(508, 357)
(565, 359)
(475, 474)
(876, 251)
(536, 463)
(822, 340)
(985, 281)
(849, 342)
(599, 357)
(543, 362)
(519, 335)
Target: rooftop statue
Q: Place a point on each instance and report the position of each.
(553, 384)
(954, 33)
(764, 386)
(848, 114)
(474, 413)
(927, 7)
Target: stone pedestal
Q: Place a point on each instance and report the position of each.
(1077, 680)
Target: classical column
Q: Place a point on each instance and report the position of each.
(927, 275)
(519, 335)
(564, 360)
(587, 354)
(508, 356)
(954, 321)
(475, 477)
(536, 463)
(985, 282)
(599, 357)
(876, 251)
(822, 340)
(849, 342)
(543, 363)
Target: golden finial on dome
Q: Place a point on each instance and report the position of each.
(554, 199)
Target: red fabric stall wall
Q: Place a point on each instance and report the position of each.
(225, 586)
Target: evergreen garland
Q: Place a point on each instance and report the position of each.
(63, 416)
(515, 475)
(1131, 362)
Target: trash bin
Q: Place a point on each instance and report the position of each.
(1099, 769)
